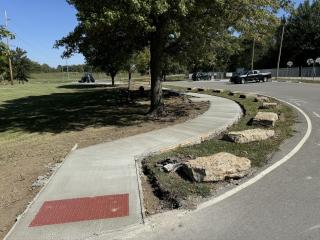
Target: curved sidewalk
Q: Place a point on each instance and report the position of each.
(96, 190)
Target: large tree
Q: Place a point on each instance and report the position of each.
(166, 26)
(106, 47)
(302, 35)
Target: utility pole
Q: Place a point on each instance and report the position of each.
(9, 58)
(253, 53)
(280, 50)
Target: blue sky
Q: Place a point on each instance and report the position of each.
(38, 23)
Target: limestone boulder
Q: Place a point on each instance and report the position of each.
(269, 105)
(192, 89)
(266, 119)
(251, 135)
(217, 167)
(248, 95)
(235, 93)
(262, 99)
(218, 90)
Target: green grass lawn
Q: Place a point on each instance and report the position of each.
(59, 77)
(42, 108)
(10, 109)
(37, 108)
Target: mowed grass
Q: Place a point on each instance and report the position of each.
(173, 189)
(42, 106)
(38, 108)
(63, 77)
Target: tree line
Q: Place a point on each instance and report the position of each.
(300, 42)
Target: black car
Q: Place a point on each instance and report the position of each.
(87, 78)
(251, 76)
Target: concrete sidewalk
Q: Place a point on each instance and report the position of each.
(69, 207)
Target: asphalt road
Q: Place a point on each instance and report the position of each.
(284, 205)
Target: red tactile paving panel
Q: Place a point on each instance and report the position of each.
(82, 209)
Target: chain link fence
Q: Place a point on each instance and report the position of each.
(309, 73)
(295, 73)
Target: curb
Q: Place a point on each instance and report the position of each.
(269, 169)
(148, 223)
(189, 142)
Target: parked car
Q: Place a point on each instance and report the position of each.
(198, 76)
(251, 76)
(87, 78)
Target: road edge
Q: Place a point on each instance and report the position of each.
(268, 170)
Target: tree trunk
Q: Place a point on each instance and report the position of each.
(164, 77)
(129, 80)
(156, 52)
(112, 78)
(129, 98)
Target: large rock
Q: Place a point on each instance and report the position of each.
(248, 95)
(218, 90)
(269, 105)
(267, 119)
(234, 93)
(192, 89)
(217, 167)
(262, 99)
(201, 89)
(252, 135)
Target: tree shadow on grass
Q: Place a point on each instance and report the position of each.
(87, 86)
(63, 112)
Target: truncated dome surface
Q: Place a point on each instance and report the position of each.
(82, 209)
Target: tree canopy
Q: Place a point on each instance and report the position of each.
(301, 40)
(4, 33)
(110, 31)
(302, 35)
(4, 51)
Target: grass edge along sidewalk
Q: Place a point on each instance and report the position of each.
(169, 191)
